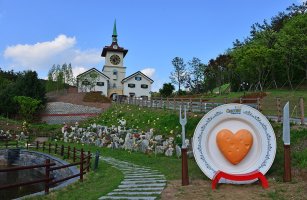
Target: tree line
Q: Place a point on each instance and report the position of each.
(272, 56)
(60, 77)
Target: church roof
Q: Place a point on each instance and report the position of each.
(135, 74)
(110, 48)
(93, 69)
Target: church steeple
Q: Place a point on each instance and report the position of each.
(114, 47)
(114, 36)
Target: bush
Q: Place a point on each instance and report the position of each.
(27, 106)
(96, 97)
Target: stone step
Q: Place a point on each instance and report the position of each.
(141, 185)
(125, 193)
(128, 198)
(147, 176)
(145, 173)
(143, 179)
(139, 189)
(136, 182)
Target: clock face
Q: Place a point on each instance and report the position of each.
(115, 59)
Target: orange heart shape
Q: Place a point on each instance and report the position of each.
(234, 146)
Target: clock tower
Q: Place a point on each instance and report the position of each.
(114, 65)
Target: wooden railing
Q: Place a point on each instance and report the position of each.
(9, 144)
(268, 107)
(84, 164)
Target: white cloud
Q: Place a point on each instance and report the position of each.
(42, 55)
(302, 1)
(149, 72)
(78, 70)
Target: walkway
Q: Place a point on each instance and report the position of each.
(139, 182)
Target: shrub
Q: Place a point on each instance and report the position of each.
(96, 97)
(27, 106)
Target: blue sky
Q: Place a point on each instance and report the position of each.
(36, 34)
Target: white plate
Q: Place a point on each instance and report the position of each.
(234, 117)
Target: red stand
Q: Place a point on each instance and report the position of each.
(240, 177)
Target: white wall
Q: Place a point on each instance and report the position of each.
(137, 90)
(100, 78)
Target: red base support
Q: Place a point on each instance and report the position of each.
(240, 177)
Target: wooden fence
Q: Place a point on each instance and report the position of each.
(84, 164)
(204, 105)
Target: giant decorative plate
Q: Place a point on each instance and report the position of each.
(234, 117)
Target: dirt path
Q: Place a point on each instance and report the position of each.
(201, 189)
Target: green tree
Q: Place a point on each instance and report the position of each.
(29, 85)
(167, 89)
(179, 75)
(291, 49)
(196, 77)
(27, 107)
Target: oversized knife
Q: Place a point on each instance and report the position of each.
(286, 139)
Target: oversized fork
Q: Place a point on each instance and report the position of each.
(183, 122)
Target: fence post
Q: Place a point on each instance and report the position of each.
(174, 104)
(62, 150)
(68, 152)
(167, 102)
(161, 103)
(6, 144)
(259, 104)
(96, 160)
(241, 100)
(74, 154)
(37, 144)
(16, 144)
(43, 146)
(302, 110)
(49, 147)
(225, 100)
(88, 161)
(200, 104)
(27, 144)
(81, 166)
(55, 148)
(191, 106)
(47, 174)
(278, 109)
(150, 102)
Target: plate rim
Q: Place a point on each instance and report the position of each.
(263, 167)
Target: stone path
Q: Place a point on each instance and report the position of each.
(139, 182)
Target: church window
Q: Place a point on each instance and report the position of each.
(100, 83)
(85, 82)
(138, 78)
(131, 85)
(144, 86)
(114, 72)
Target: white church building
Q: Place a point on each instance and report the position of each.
(112, 80)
